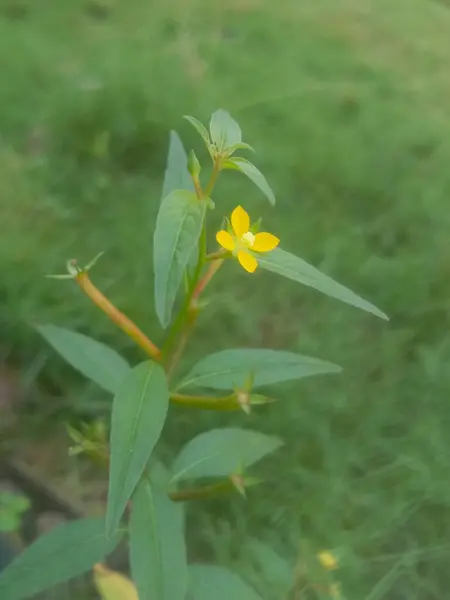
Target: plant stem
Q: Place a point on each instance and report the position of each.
(214, 175)
(188, 312)
(225, 403)
(121, 320)
(201, 285)
(206, 491)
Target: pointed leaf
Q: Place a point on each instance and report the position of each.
(253, 173)
(157, 544)
(240, 146)
(138, 415)
(274, 569)
(207, 582)
(292, 267)
(112, 585)
(201, 129)
(178, 230)
(65, 552)
(224, 130)
(219, 452)
(94, 360)
(229, 369)
(176, 176)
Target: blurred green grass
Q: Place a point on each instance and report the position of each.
(347, 105)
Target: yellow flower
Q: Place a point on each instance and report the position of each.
(243, 241)
(328, 560)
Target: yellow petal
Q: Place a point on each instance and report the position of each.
(112, 585)
(264, 242)
(247, 261)
(240, 221)
(328, 560)
(225, 240)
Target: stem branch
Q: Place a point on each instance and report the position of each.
(117, 317)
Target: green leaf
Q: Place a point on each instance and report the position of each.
(138, 415)
(240, 146)
(207, 582)
(224, 130)
(94, 360)
(157, 544)
(201, 129)
(292, 267)
(254, 174)
(178, 230)
(219, 452)
(274, 568)
(177, 175)
(229, 369)
(65, 552)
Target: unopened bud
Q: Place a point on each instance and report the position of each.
(243, 398)
(194, 166)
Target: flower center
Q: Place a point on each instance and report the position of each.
(248, 238)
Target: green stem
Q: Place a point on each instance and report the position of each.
(225, 403)
(206, 491)
(214, 175)
(180, 322)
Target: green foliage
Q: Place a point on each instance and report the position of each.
(157, 545)
(269, 565)
(253, 173)
(65, 552)
(208, 581)
(232, 369)
(12, 507)
(354, 137)
(94, 360)
(224, 130)
(201, 129)
(222, 452)
(290, 266)
(136, 477)
(178, 229)
(138, 415)
(176, 176)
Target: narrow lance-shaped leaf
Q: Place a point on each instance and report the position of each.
(157, 544)
(290, 266)
(207, 582)
(178, 229)
(65, 552)
(276, 570)
(220, 452)
(201, 129)
(176, 176)
(138, 415)
(224, 130)
(253, 173)
(94, 360)
(229, 369)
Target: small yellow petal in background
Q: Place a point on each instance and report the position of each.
(247, 261)
(240, 221)
(112, 585)
(328, 560)
(264, 242)
(225, 240)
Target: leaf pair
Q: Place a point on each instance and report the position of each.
(224, 138)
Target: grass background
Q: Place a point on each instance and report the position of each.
(347, 105)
